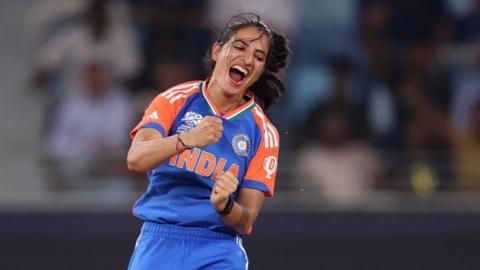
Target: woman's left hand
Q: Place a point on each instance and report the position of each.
(225, 184)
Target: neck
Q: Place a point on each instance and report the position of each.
(224, 102)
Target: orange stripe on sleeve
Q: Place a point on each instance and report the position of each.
(162, 111)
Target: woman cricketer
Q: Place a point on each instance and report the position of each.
(210, 154)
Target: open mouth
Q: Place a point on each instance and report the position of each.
(237, 74)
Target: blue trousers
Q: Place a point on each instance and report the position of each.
(171, 247)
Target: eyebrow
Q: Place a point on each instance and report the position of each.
(248, 44)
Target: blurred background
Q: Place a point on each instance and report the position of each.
(380, 129)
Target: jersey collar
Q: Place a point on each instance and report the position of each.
(231, 114)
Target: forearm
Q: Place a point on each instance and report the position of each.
(240, 218)
(146, 155)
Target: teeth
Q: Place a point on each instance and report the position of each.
(239, 68)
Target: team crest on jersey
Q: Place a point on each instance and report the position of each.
(241, 144)
(190, 120)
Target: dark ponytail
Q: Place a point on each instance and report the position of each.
(269, 87)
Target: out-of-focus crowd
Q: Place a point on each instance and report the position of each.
(381, 94)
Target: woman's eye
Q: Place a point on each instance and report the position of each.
(260, 58)
(241, 48)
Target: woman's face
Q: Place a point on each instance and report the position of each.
(240, 61)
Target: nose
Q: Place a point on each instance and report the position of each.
(248, 59)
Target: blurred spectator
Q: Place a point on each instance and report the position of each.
(419, 65)
(416, 99)
(88, 131)
(325, 28)
(378, 64)
(338, 165)
(47, 17)
(84, 62)
(376, 48)
(402, 40)
(324, 31)
(308, 84)
(426, 164)
(394, 69)
(168, 29)
(467, 152)
(467, 91)
(344, 92)
(95, 38)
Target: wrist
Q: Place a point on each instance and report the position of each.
(226, 208)
(220, 206)
(181, 144)
(186, 139)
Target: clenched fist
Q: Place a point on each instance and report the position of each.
(225, 184)
(207, 132)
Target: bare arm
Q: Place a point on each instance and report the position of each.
(245, 210)
(149, 148)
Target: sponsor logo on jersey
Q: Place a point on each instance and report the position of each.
(270, 166)
(241, 145)
(190, 120)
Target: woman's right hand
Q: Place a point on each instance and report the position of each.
(207, 132)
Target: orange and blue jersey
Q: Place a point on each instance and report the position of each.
(179, 188)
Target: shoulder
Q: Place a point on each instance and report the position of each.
(269, 131)
(179, 93)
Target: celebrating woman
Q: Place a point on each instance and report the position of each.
(210, 154)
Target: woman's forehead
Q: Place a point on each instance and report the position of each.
(252, 35)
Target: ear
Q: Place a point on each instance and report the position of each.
(216, 48)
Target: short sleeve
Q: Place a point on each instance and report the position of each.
(163, 110)
(159, 115)
(262, 169)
